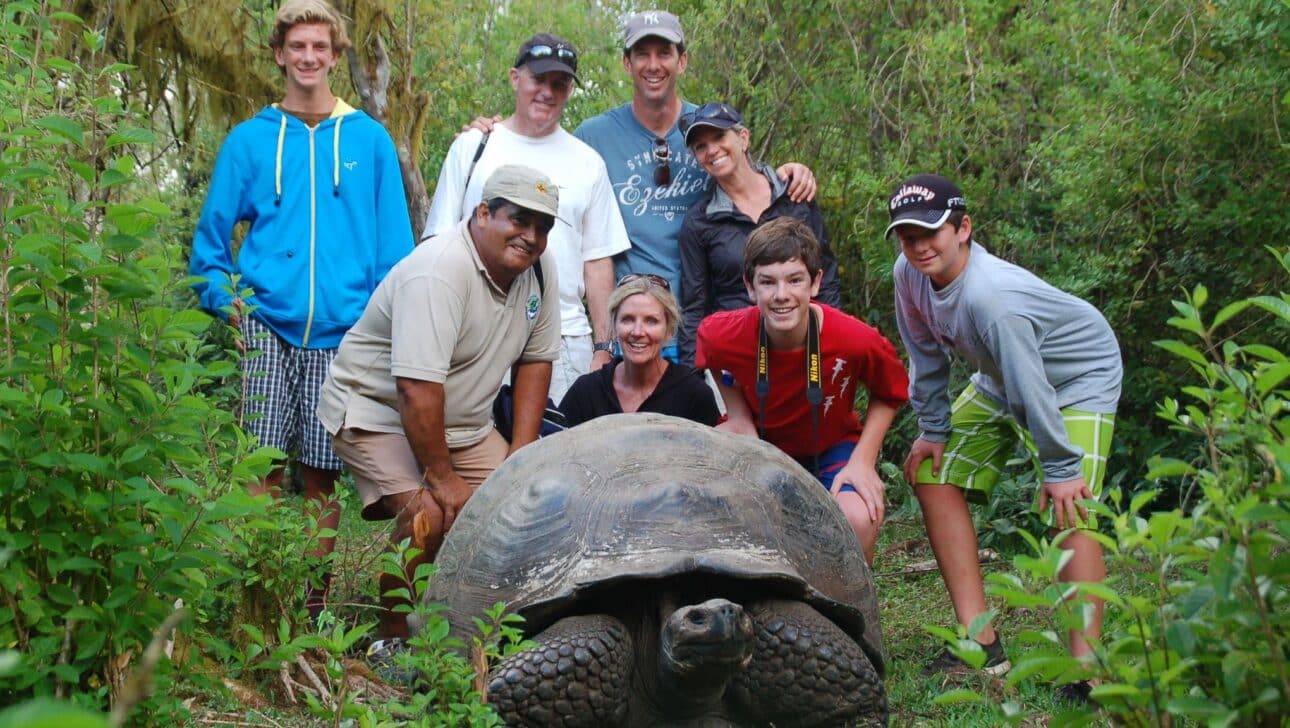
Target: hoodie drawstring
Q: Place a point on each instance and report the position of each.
(335, 158)
(277, 162)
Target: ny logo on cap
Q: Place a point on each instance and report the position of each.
(651, 18)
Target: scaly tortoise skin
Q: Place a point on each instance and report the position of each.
(672, 575)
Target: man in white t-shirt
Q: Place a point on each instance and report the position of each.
(589, 229)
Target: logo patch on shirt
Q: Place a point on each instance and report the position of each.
(531, 310)
(351, 165)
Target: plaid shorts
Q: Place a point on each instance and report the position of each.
(280, 385)
(983, 438)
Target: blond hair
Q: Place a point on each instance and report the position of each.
(642, 285)
(298, 12)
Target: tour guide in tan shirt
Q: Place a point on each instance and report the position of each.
(408, 399)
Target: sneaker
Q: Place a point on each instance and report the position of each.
(996, 661)
(382, 656)
(1076, 694)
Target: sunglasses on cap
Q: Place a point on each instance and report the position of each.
(662, 157)
(657, 280)
(540, 51)
(717, 115)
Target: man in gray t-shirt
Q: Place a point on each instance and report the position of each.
(1047, 376)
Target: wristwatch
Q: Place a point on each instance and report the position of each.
(603, 346)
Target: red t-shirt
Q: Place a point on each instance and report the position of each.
(851, 352)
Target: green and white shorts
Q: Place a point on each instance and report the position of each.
(984, 437)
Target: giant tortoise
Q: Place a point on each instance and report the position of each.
(672, 575)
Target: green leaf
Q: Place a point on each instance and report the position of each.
(63, 127)
(49, 713)
(1115, 690)
(1185, 351)
(961, 695)
(1229, 311)
(1181, 638)
(1169, 468)
(1271, 377)
(1194, 706)
(1274, 305)
(131, 136)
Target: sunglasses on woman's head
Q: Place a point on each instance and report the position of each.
(657, 280)
(662, 155)
(709, 112)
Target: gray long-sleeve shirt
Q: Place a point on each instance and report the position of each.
(1036, 348)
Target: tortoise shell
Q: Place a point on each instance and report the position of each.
(646, 497)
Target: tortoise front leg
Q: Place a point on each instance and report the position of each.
(579, 675)
(806, 671)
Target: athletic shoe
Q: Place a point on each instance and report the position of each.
(382, 656)
(1076, 694)
(996, 661)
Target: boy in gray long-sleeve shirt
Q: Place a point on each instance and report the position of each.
(1048, 374)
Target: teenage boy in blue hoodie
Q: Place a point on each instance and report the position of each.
(320, 187)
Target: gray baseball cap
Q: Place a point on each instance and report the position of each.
(525, 187)
(653, 22)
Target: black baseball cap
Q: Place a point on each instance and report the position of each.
(925, 200)
(715, 115)
(547, 52)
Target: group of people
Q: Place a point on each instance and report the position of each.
(554, 261)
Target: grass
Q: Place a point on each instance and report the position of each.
(908, 602)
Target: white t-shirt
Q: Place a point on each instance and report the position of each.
(589, 225)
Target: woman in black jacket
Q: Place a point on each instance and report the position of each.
(746, 194)
(644, 316)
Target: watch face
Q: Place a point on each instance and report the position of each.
(603, 346)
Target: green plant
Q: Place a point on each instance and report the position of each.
(447, 676)
(120, 477)
(1198, 626)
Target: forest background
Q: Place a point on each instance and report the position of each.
(1132, 153)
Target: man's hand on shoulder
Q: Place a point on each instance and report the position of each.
(482, 123)
(800, 179)
(1067, 512)
(920, 451)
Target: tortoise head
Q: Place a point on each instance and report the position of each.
(701, 647)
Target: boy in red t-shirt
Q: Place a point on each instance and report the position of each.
(809, 413)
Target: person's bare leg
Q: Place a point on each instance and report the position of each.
(857, 514)
(416, 517)
(1087, 565)
(320, 501)
(320, 489)
(271, 484)
(953, 538)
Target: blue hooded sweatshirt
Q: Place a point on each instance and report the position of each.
(327, 217)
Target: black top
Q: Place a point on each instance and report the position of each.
(712, 255)
(682, 392)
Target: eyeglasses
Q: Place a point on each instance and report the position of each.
(657, 280)
(563, 53)
(710, 112)
(662, 155)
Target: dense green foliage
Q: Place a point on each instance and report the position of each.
(1127, 151)
(120, 457)
(1198, 627)
(1123, 151)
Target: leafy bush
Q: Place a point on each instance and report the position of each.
(120, 476)
(1199, 625)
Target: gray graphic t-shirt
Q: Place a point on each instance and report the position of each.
(652, 214)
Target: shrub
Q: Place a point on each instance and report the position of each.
(1198, 627)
